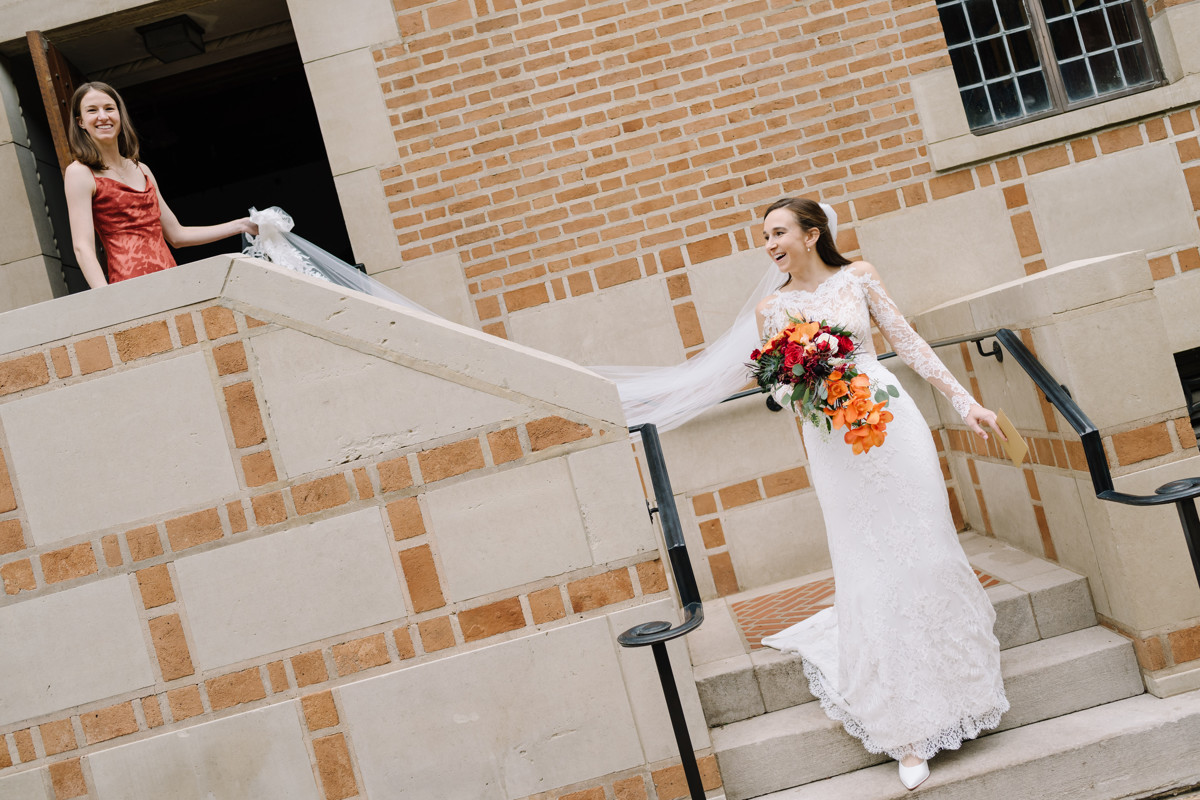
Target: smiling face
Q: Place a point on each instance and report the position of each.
(99, 116)
(786, 241)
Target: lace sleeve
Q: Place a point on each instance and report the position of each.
(914, 350)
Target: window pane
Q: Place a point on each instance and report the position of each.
(1133, 61)
(1055, 8)
(1034, 93)
(982, 15)
(975, 103)
(994, 59)
(966, 69)
(1024, 54)
(954, 23)
(1078, 82)
(1012, 14)
(1064, 39)
(1124, 29)
(1094, 31)
(1004, 100)
(1106, 73)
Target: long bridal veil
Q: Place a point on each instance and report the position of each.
(665, 396)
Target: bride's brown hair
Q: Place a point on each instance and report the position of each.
(82, 146)
(810, 215)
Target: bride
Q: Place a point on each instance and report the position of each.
(905, 659)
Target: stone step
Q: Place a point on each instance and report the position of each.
(1141, 747)
(1038, 606)
(1044, 679)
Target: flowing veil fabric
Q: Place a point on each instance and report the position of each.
(665, 396)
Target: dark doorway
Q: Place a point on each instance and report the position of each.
(237, 134)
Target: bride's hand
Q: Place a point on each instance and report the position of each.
(979, 416)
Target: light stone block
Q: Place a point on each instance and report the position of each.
(326, 29)
(776, 540)
(781, 679)
(419, 340)
(1015, 623)
(1178, 298)
(12, 123)
(331, 405)
(966, 491)
(695, 546)
(71, 647)
(354, 119)
(256, 754)
(435, 282)
(594, 329)
(1097, 361)
(722, 286)
(29, 785)
(1145, 561)
(369, 225)
(973, 241)
(718, 638)
(1061, 602)
(498, 723)
(128, 446)
(1075, 221)
(611, 502)
(507, 529)
(939, 105)
(1069, 527)
(1170, 682)
(21, 237)
(645, 690)
(289, 588)
(36, 15)
(1008, 506)
(1006, 386)
(32, 326)
(732, 442)
(916, 387)
(729, 690)
(33, 280)
(1185, 32)
(1168, 49)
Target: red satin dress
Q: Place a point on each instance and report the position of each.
(130, 227)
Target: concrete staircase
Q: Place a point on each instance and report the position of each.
(1079, 727)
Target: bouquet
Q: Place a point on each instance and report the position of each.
(812, 364)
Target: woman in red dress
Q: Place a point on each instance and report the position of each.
(111, 193)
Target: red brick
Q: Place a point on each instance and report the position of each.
(491, 620)
(11, 539)
(1185, 644)
(709, 249)
(1161, 267)
(57, 737)
(1120, 139)
(1142, 444)
(155, 586)
(1083, 149)
(244, 417)
(600, 590)
(671, 784)
(69, 563)
(652, 577)
(19, 374)
(952, 184)
(185, 703)
(526, 297)
(108, 723)
(630, 789)
(546, 605)
(360, 654)
(792, 480)
(551, 431)
(421, 576)
(404, 643)
(8, 498)
(144, 340)
(322, 494)
(362, 484)
(436, 634)
(268, 509)
(1150, 654)
(505, 445)
(309, 668)
(704, 504)
(739, 494)
(335, 767)
(195, 529)
(24, 741)
(218, 322)
(277, 677)
(174, 658)
(62, 362)
(320, 711)
(688, 322)
(724, 577)
(187, 329)
(230, 358)
(67, 779)
(450, 460)
(712, 534)
(235, 689)
(18, 576)
(152, 711)
(876, 204)
(1045, 159)
(405, 517)
(144, 543)
(1026, 233)
(394, 475)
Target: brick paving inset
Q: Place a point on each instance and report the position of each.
(770, 613)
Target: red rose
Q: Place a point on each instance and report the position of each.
(792, 355)
(845, 345)
(756, 355)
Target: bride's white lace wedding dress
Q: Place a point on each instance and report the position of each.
(905, 659)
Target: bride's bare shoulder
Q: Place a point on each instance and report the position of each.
(766, 302)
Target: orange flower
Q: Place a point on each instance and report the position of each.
(864, 437)
(802, 332)
(861, 386)
(851, 411)
(836, 388)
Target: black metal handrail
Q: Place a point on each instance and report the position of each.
(1182, 493)
(657, 634)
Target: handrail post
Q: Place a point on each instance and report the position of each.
(1191, 530)
(657, 634)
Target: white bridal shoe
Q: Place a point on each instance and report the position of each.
(912, 777)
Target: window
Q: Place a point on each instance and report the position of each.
(1018, 60)
(1188, 364)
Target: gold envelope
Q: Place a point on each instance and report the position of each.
(1015, 446)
